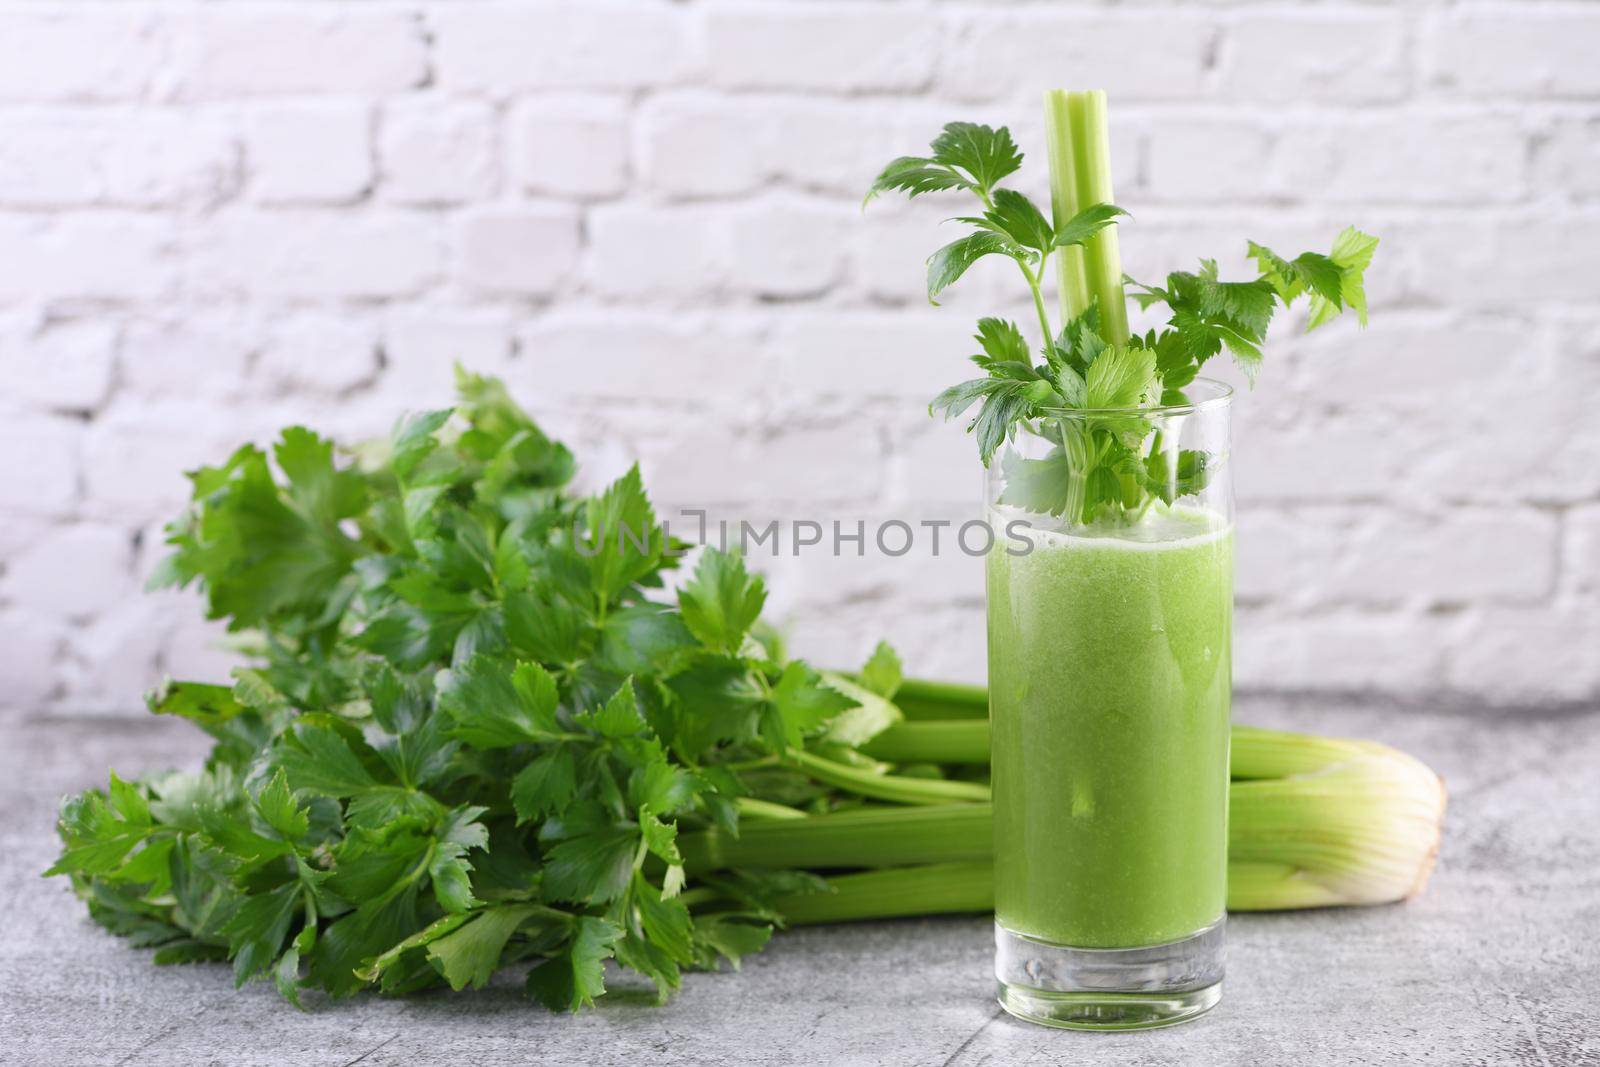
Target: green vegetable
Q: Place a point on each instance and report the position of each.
(1107, 463)
(473, 738)
(480, 736)
(1312, 822)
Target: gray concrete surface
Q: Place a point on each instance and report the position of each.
(1498, 963)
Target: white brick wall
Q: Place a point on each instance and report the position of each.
(218, 218)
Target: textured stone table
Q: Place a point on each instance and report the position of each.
(1499, 962)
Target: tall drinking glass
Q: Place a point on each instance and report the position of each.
(1110, 608)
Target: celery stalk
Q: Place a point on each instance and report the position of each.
(1340, 822)
(937, 889)
(897, 789)
(868, 837)
(1079, 147)
(1072, 283)
(931, 741)
(922, 699)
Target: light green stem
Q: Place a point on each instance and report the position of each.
(1071, 280)
(1080, 177)
(937, 889)
(869, 837)
(893, 788)
(920, 698)
(956, 741)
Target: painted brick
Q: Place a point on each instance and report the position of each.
(60, 52)
(570, 146)
(1461, 557)
(780, 466)
(653, 358)
(831, 146)
(166, 355)
(1341, 56)
(503, 49)
(114, 658)
(57, 157)
(529, 250)
(437, 151)
(1519, 51)
(789, 249)
(1346, 652)
(1132, 55)
(1209, 159)
(311, 254)
(1567, 159)
(309, 153)
(1581, 550)
(240, 51)
(60, 365)
(641, 252)
(33, 645)
(423, 345)
(71, 572)
(869, 46)
(319, 353)
(108, 255)
(1554, 653)
(873, 354)
(936, 462)
(39, 465)
(694, 148)
(1418, 159)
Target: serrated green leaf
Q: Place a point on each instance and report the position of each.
(721, 602)
(950, 262)
(574, 978)
(449, 868)
(591, 869)
(661, 838)
(1001, 341)
(914, 175)
(258, 928)
(732, 938)
(276, 805)
(1119, 378)
(542, 626)
(872, 712)
(985, 153)
(803, 702)
(413, 439)
(1042, 486)
(619, 717)
(621, 539)
(1086, 223)
(98, 831)
(883, 673)
(316, 759)
(665, 920)
(545, 785)
(470, 954)
(1019, 219)
(661, 787)
(494, 704)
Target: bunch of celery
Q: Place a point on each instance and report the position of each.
(479, 734)
(1313, 822)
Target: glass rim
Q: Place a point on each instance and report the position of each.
(1221, 396)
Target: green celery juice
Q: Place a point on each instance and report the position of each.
(1109, 680)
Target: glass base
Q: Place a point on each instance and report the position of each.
(1108, 988)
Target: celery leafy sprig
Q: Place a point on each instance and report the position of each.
(1085, 389)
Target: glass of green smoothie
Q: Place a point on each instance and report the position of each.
(1110, 614)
